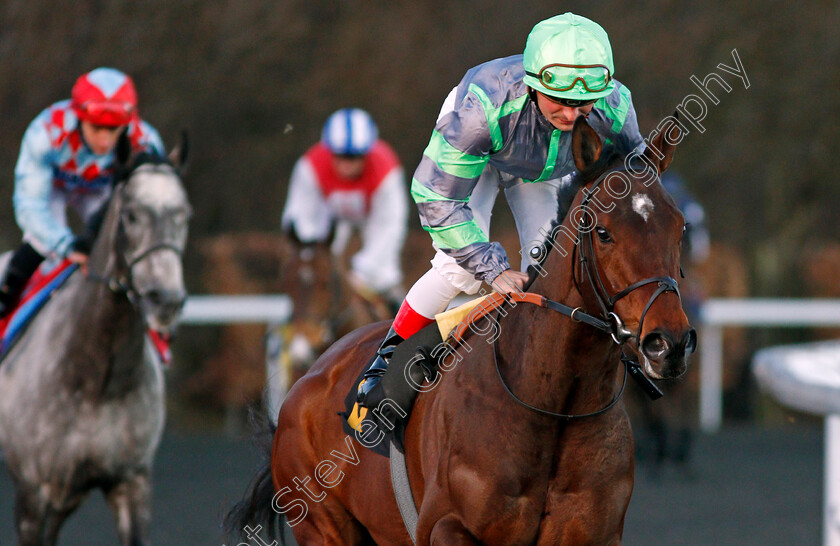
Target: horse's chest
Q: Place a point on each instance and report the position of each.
(571, 489)
(123, 428)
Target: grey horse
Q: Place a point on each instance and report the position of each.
(82, 391)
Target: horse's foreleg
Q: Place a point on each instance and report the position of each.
(342, 531)
(54, 521)
(30, 513)
(130, 502)
(450, 531)
(37, 518)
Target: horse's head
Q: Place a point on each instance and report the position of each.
(148, 221)
(310, 277)
(629, 233)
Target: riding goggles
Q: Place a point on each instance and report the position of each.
(109, 113)
(563, 77)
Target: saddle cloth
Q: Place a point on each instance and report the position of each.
(46, 280)
(40, 288)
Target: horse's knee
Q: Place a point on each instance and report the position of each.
(316, 534)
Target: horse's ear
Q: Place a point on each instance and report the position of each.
(586, 144)
(179, 156)
(123, 151)
(660, 151)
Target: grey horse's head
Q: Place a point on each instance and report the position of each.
(152, 219)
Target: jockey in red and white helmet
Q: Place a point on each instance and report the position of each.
(353, 180)
(66, 158)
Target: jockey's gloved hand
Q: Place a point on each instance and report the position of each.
(509, 281)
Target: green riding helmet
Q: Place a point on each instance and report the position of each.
(569, 57)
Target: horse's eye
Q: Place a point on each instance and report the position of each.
(603, 234)
(131, 217)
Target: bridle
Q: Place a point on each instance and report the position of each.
(124, 282)
(585, 250)
(608, 321)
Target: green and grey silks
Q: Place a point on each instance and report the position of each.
(490, 122)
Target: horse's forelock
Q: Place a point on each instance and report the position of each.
(613, 157)
(148, 158)
(145, 182)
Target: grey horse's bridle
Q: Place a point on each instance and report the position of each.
(124, 283)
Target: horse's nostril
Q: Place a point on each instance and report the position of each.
(689, 341)
(655, 346)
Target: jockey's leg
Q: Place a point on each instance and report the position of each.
(535, 205)
(92, 208)
(429, 296)
(21, 266)
(432, 293)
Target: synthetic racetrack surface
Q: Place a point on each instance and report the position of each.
(750, 486)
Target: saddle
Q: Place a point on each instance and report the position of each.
(46, 280)
(376, 428)
(413, 369)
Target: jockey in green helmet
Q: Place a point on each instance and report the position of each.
(507, 125)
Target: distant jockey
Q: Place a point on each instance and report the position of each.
(352, 180)
(66, 159)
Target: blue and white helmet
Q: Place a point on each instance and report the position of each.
(350, 131)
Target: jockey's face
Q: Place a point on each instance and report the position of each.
(349, 167)
(101, 139)
(562, 117)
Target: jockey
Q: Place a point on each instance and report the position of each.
(351, 179)
(695, 241)
(506, 125)
(66, 158)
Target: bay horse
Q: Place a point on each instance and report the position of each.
(325, 306)
(82, 391)
(509, 457)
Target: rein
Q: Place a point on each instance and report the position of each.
(567, 417)
(124, 284)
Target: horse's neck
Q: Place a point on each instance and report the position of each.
(105, 337)
(551, 361)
